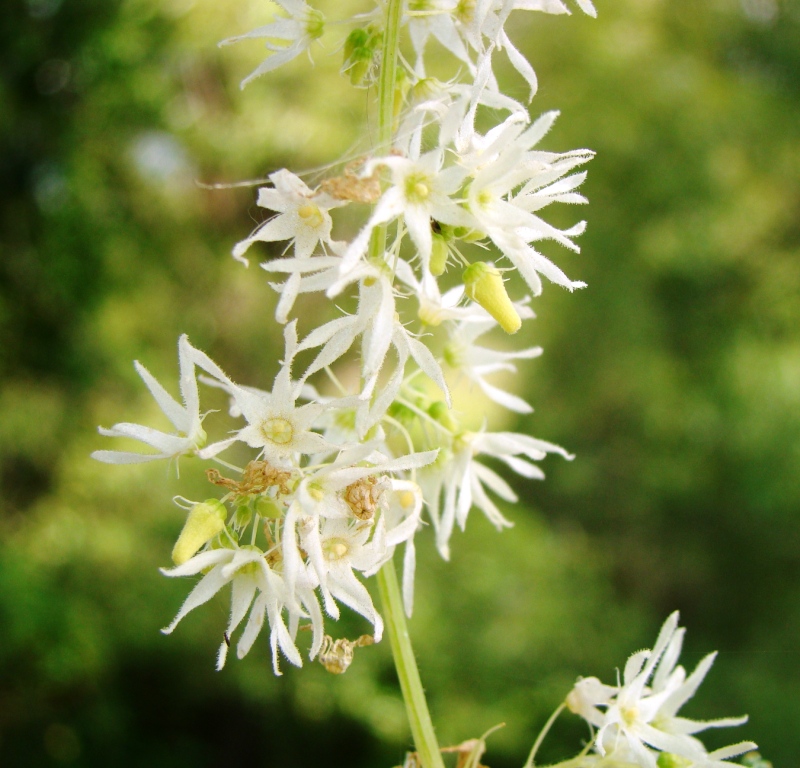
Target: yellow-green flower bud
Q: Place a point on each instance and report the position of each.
(203, 523)
(484, 285)
(669, 760)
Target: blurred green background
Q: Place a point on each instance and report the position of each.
(675, 378)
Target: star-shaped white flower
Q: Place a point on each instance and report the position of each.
(639, 716)
(475, 362)
(298, 30)
(247, 571)
(460, 481)
(302, 218)
(185, 418)
(275, 424)
(421, 189)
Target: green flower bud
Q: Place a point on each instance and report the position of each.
(242, 516)
(203, 523)
(484, 285)
(439, 254)
(359, 53)
(268, 507)
(443, 415)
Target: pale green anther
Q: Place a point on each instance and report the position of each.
(335, 549)
(203, 523)
(417, 188)
(279, 431)
(315, 24)
(250, 569)
(444, 415)
(629, 715)
(483, 283)
(439, 253)
(268, 507)
(346, 419)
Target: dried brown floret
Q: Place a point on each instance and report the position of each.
(337, 655)
(363, 497)
(353, 187)
(257, 477)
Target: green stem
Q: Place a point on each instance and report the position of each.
(386, 87)
(419, 717)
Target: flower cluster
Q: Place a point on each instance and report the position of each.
(637, 720)
(335, 483)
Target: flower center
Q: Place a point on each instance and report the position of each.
(278, 431)
(629, 715)
(314, 24)
(417, 188)
(335, 549)
(465, 11)
(311, 215)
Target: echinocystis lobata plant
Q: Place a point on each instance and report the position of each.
(335, 483)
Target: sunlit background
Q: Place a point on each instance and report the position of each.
(674, 377)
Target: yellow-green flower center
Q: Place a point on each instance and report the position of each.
(315, 24)
(417, 188)
(311, 215)
(335, 548)
(279, 430)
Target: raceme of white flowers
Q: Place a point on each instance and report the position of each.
(336, 483)
(636, 720)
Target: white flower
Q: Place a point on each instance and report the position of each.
(435, 18)
(303, 26)
(302, 218)
(247, 570)
(185, 418)
(356, 488)
(274, 423)
(337, 547)
(420, 190)
(640, 716)
(475, 362)
(378, 325)
(508, 163)
(463, 481)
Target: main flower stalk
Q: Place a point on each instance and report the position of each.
(419, 717)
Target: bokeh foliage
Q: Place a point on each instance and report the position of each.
(675, 377)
